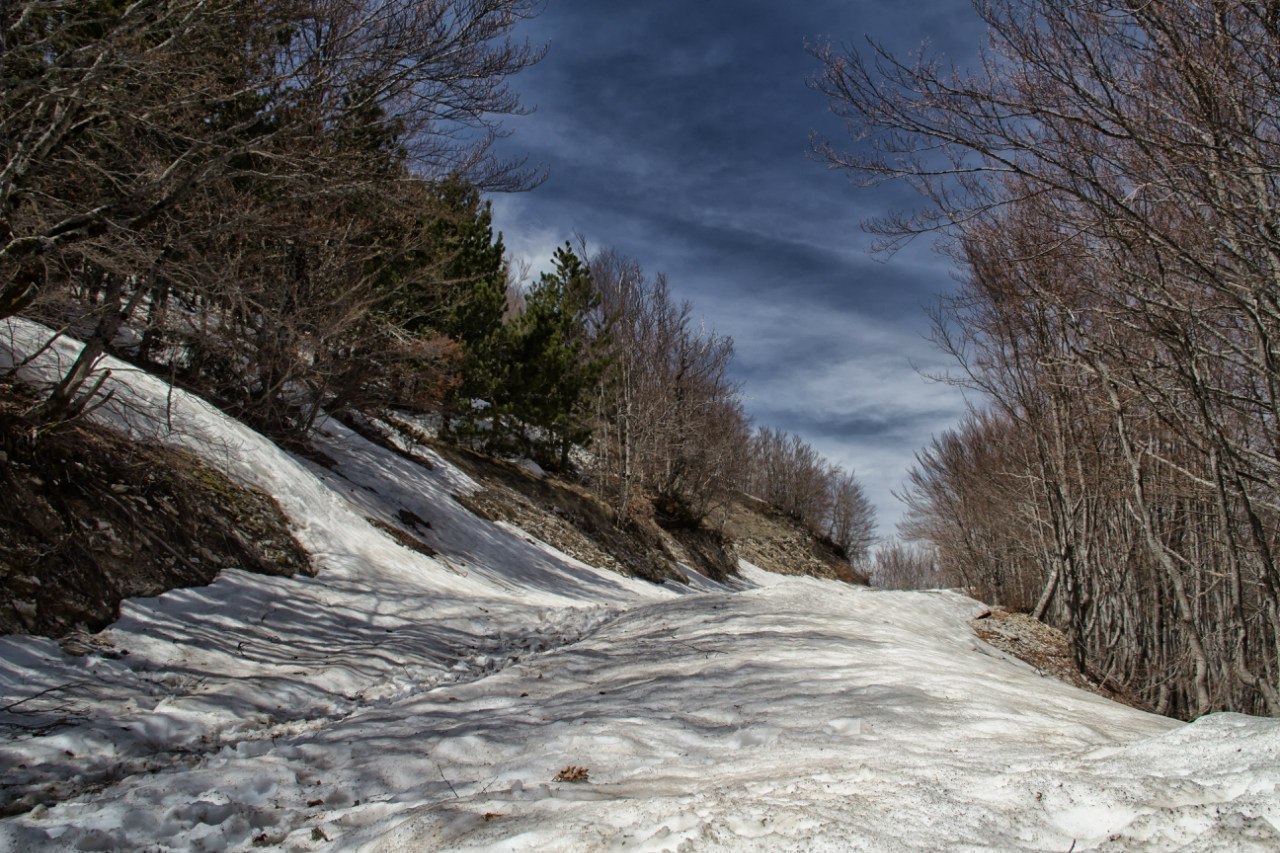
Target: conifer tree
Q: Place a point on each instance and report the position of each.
(554, 358)
(247, 159)
(455, 283)
(476, 272)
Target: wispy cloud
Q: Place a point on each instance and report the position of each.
(678, 134)
(856, 388)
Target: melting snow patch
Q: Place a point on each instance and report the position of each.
(401, 702)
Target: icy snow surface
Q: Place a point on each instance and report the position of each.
(398, 702)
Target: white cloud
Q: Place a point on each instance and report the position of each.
(526, 243)
(848, 384)
(856, 394)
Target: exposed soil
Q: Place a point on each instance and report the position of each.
(778, 543)
(569, 517)
(90, 517)
(705, 549)
(563, 515)
(1044, 647)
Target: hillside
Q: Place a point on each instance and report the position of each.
(775, 542)
(95, 518)
(484, 689)
(92, 517)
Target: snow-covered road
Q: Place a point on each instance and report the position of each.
(795, 715)
(801, 716)
(399, 702)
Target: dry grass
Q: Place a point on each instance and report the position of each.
(774, 542)
(90, 517)
(1045, 648)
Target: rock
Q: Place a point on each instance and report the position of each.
(26, 609)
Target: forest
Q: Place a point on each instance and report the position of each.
(328, 525)
(283, 207)
(1106, 181)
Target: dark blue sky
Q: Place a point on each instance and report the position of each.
(678, 133)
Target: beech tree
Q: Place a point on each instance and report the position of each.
(669, 425)
(670, 434)
(789, 474)
(1107, 180)
(851, 518)
(898, 565)
(145, 147)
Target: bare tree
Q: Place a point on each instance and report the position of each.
(851, 519)
(670, 426)
(1107, 177)
(896, 565)
(138, 138)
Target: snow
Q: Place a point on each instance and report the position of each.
(400, 702)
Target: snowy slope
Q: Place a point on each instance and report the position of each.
(398, 702)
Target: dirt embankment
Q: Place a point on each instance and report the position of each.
(90, 517)
(777, 543)
(569, 517)
(1048, 650)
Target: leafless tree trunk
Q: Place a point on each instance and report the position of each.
(1108, 179)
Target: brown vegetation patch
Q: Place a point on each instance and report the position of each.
(1045, 648)
(403, 539)
(778, 543)
(91, 517)
(707, 550)
(572, 519)
(375, 434)
(565, 516)
(573, 774)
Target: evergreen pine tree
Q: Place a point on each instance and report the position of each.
(456, 284)
(555, 358)
(453, 284)
(474, 278)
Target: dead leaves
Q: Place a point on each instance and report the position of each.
(573, 773)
